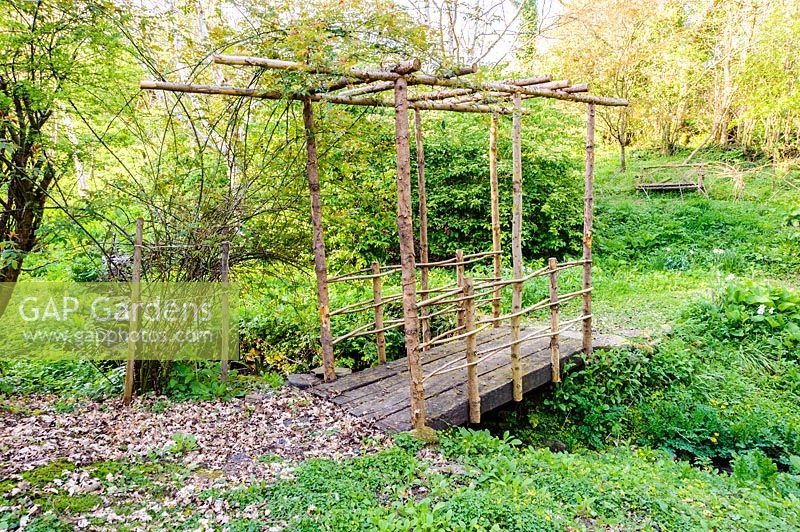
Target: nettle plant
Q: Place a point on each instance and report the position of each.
(747, 309)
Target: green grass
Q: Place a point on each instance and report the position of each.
(500, 486)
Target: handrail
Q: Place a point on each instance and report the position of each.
(463, 298)
(453, 338)
(364, 305)
(395, 268)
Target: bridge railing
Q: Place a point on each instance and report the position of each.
(378, 304)
(464, 298)
(471, 294)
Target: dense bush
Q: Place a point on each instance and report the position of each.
(361, 195)
(67, 377)
(457, 173)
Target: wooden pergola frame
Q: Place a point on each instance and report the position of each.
(362, 87)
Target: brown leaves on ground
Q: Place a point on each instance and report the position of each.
(231, 435)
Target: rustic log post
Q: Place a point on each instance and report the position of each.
(133, 323)
(405, 232)
(460, 281)
(701, 174)
(423, 225)
(495, 195)
(588, 210)
(473, 386)
(380, 337)
(555, 355)
(516, 249)
(224, 274)
(320, 266)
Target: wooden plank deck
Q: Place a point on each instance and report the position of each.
(381, 393)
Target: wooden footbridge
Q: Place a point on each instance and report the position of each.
(453, 350)
(381, 393)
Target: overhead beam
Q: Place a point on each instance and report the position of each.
(581, 87)
(389, 85)
(419, 79)
(325, 97)
(533, 91)
(443, 95)
(369, 89)
(403, 68)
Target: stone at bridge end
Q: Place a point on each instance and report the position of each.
(425, 434)
(610, 341)
(340, 372)
(303, 380)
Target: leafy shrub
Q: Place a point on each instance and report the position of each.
(182, 444)
(459, 210)
(467, 442)
(279, 324)
(755, 467)
(748, 310)
(362, 200)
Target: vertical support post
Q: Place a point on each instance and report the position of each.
(380, 337)
(224, 274)
(588, 214)
(423, 225)
(460, 281)
(133, 324)
(473, 386)
(320, 265)
(495, 195)
(516, 248)
(701, 174)
(405, 232)
(555, 355)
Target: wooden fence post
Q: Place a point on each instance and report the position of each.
(460, 281)
(405, 232)
(225, 270)
(473, 386)
(423, 226)
(516, 248)
(588, 212)
(495, 196)
(555, 355)
(133, 323)
(320, 266)
(380, 338)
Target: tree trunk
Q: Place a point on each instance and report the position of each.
(623, 166)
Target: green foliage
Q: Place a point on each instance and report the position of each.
(182, 444)
(498, 486)
(408, 443)
(200, 381)
(79, 378)
(278, 325)
(662, 234)
(748, 310)
(459, 212)
(465, 442)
